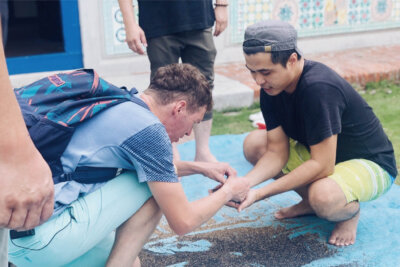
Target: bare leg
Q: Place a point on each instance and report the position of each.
(133, 234)
(202, 133)
(329, 202)
(255, 145)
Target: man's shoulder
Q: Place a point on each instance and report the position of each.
(318, 75)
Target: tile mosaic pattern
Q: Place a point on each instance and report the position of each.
(309, 17)
(315, 17)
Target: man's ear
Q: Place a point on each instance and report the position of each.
(292, 59)
(180, 106)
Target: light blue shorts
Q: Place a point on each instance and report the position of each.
(83, 234)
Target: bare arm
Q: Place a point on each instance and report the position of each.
(135, 36)
(274, 159)
(217, 171)
(320, 165)
(184, 216)
(26, 185)
(221, 16)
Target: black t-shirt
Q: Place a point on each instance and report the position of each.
(324, 104)
(165, 17)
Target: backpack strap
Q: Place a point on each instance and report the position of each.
(89, 175)
(137, 100)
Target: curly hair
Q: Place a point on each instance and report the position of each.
(185, 81)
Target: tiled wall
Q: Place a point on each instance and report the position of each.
(316, 17)
(310, 18)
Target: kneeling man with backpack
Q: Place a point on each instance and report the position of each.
(111, 157)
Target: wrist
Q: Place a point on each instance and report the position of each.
(227, 191)
(221, 3)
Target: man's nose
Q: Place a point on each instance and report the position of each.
(259, 78)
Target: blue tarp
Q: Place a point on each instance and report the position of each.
(378, 236)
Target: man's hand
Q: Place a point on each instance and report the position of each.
(136, 38)
(217, 171)
(248, 201)
(221, 19)
(237, 187)
(26, 191)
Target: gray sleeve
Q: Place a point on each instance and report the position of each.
(150, 150)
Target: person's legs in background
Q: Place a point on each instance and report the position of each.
(163, 51)
(200, 52)
(196, 48)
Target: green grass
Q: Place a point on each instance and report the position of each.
(233, 121)
(383, 97)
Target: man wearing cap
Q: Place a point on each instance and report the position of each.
(322, 138)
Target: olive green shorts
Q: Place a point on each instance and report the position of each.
(360, 179)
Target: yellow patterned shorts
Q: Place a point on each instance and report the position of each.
(360, 179)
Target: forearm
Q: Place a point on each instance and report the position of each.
(128, 13)
(267, 167)
(14, 135)
(203, 209)
(303, 175)
(193, 214)
(189, 167)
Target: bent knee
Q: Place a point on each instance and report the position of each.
(325, 198)
(255, 145)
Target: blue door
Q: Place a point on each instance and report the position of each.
(43, 36)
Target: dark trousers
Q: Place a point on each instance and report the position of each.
(194, 47)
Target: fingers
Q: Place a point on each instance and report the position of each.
(243, 205)
(136, 46)
(137, 42)
(230, 172)
(232, 204)
(220, 178)
(143, 39)
(17, 219)
(217, 30)
(47, 210)
(5, 216)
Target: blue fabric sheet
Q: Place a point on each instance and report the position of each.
(378, 236)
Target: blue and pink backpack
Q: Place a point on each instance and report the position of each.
(54, 106)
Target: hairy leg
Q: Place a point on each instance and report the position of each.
(202, 133)
(133, 234)
(328, 201)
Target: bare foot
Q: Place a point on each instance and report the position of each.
(344, 233)
(205, 157)
(301, 208)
